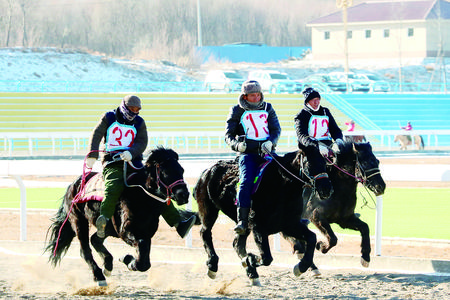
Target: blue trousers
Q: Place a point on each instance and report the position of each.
(248, 170)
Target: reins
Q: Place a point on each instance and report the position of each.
(311, 179)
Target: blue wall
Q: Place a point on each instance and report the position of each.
(252, 53)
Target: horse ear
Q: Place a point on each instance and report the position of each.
(354, 148)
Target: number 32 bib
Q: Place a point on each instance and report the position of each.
(120, 137)
(255, 124)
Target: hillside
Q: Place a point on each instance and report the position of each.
(51, 64)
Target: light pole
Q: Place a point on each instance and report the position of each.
(199, 25)
(344, 4)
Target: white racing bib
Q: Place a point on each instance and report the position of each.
(255, 124)
(120, 137)
(318, 127)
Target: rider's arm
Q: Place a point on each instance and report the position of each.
(301, 122)
(97, 135)
(231, 128)
(140, 142)
(274, 126)
(335, 131)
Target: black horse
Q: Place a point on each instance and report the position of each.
(355, 163)
(135, 220)
(276, 207)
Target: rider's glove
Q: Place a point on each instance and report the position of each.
(241, 147)
(324, 151)
(90, 161)
(338, 146)
(126, 156)
(266, 147)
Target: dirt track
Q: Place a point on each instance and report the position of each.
(24, 273)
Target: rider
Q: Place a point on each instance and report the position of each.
(408, 127)
(315, 125)
(253, 130)
(125, 135)
(350, 125)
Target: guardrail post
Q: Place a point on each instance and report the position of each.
(23, 208)
(378, 225)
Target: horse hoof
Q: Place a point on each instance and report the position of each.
(102, 283)
(364, 263)
(316, 272)
(106, 272)
(212, 274)
(297, 271)
(255, 282)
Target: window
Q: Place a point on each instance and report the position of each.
(368, 34)
(386, 33)
(349, 34)
(327, 35)
(410, 31)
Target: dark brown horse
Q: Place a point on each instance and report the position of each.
(276, 207)
(355, 163)
(135, 220)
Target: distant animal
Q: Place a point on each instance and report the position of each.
(276, 207)
(135, 220)
(355, 163)
(405, 141)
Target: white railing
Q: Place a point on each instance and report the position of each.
(192, 141)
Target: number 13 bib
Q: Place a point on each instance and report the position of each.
(120, 136)
(255, 124)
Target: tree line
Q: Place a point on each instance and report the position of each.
(156, 29)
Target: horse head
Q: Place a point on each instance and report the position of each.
(165, 175)
(316, 171)
(367, 168)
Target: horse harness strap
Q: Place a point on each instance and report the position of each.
(289, 172)
(167, 200)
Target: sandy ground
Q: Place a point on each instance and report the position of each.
(25, 273)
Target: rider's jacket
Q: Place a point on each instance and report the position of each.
(254, 125)
(319, 125)
(119, 135)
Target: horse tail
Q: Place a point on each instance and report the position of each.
(421, 142)
(60, 233)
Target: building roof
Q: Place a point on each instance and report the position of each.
(382, 11)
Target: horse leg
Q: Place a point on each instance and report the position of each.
(355, 223)
(208, 220)
(249, 261)
(298, 249)
(107, 257)
(82, 230)
(326, 230)
(300, 231)
(142, 262)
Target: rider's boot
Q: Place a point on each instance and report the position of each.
(242, 217)
(184, 226)
(101, 225)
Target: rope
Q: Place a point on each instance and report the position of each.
(287, 171)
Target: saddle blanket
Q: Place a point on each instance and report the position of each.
(94, 189)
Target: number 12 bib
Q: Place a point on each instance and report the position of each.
(318, 127)
(255, 124)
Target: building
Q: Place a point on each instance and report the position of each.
(384, 29)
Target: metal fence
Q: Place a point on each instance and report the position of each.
(76, 143)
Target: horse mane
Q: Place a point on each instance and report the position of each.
(160, 154)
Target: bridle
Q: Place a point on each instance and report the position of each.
(361, 175)
(169, 192)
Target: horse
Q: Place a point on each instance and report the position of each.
(135, 220)
(405, 141)
(354, 163)
(276, 206)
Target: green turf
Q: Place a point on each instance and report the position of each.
(407, 212)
